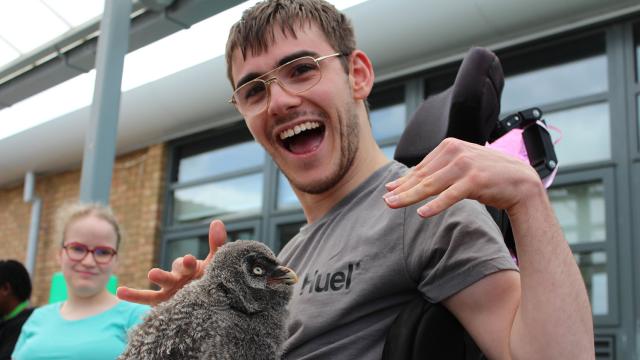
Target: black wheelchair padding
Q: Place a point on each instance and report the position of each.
(429, 331)
(468, 110)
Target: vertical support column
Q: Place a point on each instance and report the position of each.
(100, 142)
(30, 196)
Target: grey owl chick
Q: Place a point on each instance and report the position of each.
(237, 310)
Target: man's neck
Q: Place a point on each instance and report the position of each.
(368, 159)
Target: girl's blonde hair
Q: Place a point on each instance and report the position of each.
(75, 211)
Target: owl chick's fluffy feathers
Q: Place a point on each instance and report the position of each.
(237, 310)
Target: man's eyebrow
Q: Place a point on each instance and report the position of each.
(298, 54)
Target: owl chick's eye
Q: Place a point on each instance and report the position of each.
(258, 270)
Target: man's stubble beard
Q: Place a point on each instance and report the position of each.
(349, 141)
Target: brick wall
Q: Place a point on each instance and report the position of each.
(136, 198)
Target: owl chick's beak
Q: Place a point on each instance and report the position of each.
(284, 275)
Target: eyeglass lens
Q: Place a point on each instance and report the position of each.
(101, 254)
(296, 76)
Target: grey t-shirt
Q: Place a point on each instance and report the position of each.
(362, 262)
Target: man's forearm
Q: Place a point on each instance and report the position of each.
(554, 320)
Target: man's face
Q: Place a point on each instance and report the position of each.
(319, 155)
(5, 296)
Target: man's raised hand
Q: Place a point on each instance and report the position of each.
(457, 170)
(183, 270)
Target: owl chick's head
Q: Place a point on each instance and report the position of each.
(249, 276)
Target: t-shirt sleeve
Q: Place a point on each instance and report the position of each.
(448, 252)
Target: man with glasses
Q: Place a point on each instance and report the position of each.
(372, 243)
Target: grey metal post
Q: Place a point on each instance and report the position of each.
(100, 143)
(30, 196)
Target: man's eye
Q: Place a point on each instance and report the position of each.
(302, 69)
(258, 270)
(253, 90)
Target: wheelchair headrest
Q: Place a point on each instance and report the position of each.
(468, 110)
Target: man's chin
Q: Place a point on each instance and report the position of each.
(317, 186)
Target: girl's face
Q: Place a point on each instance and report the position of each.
(86, 277)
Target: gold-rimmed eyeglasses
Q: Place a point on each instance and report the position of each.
(295, 77)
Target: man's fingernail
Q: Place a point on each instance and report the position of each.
(391, 183)
(391, 199)
(424, 211)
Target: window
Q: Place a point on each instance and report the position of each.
(581, 210)
(219, 174)
(388, 116)
(586, 133)
(286, 197)
(286, 232)
(214, 180)
(636, 39)
(556, 83)
(218, 161)
(569, 81)
(593, 268)
(196, 246)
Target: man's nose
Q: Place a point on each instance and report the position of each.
(281, 99)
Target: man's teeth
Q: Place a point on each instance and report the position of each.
(298, 129)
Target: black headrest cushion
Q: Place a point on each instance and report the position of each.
(468, 110)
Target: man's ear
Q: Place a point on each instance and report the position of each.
(361, 74)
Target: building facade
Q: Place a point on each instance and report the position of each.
(585, 80)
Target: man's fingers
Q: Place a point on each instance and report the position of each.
(447, 198)
(184, 266)
(162, 278)
(390, 186)
(189, 264)
(217, 238)
(148, 297)
(437, 159)
(423, 188)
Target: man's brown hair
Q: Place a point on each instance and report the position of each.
(255, 31)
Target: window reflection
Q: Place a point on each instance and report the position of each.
(286, 197)
(196, 246)
(218, 198)
(389, 150)
(220, 161)
(636, 35)
(244, 234)
(638, 116)
(581, 212)
(286, 232)
(586, 134)
(388, 121)
(593, 266)
(555, 83)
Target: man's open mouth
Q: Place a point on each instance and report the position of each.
(302, 138)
